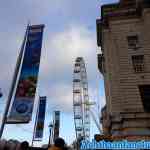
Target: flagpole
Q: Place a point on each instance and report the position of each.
(4, 119)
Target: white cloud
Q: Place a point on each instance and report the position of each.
(60, 98)
(63, 47)
(58, 57)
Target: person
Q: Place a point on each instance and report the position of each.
(59, 144)
(24, 145)
(2, 144)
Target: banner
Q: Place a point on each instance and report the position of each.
(56, 124)
(38, 133)
(22, 106)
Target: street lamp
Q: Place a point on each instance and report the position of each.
(50, 134)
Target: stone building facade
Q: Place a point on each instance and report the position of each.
(123, 33)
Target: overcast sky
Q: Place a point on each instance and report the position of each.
(70, 31)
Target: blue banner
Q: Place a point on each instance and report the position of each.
(22, 106)
(38, 133)
(56, 124)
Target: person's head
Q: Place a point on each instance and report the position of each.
(6, 148)
(59, 142)
(24, 145)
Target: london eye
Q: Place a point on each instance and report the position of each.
(81, 101)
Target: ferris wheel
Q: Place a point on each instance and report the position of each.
(81, 101)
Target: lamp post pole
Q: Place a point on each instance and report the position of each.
(50, 134)
(13, 84)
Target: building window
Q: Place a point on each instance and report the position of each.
(138, 63)
(133, 42)
(145, 96)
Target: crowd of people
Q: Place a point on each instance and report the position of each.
(13, 145)
(59, 144)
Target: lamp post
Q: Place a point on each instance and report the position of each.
(50, 134)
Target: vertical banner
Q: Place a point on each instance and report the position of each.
(22, 106)
(39, 125)
(56, 124)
